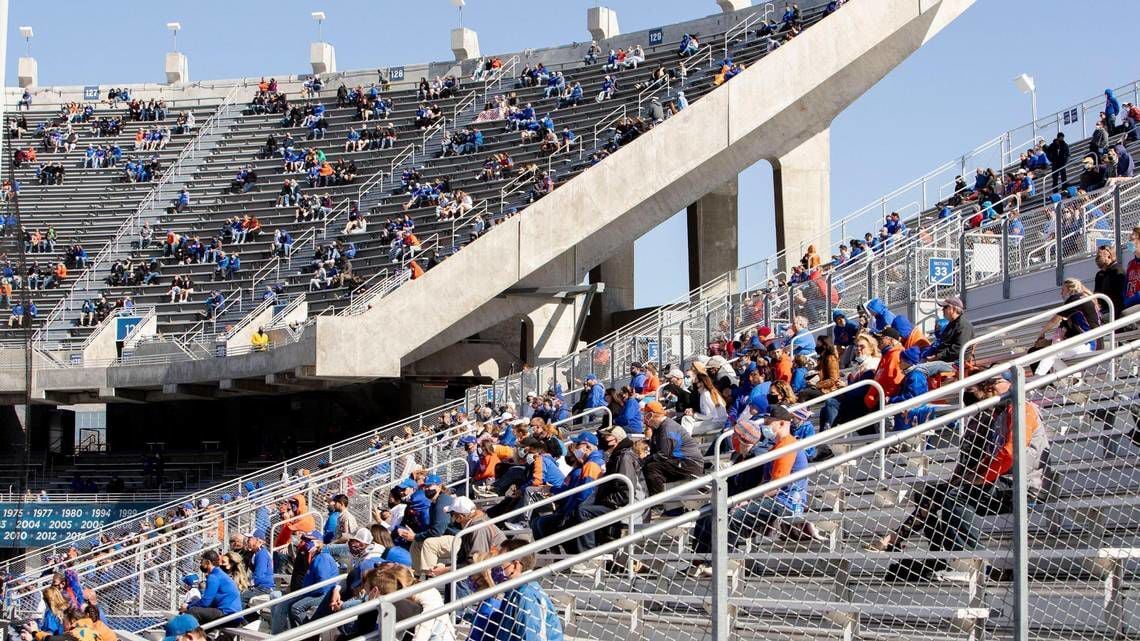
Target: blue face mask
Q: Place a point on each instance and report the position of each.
(498, 575)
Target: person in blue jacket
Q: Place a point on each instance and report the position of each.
(802, 342)
(884, 318)
(1111, 110)
(914, 384)
(262, 563)
(526, 612)
(595, 393)
(221, 596)
(293, 612)
(630, 416)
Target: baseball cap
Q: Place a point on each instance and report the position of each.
(953, 301)
(433, 479)
(653, 407)
(190, 579)
(461, 505)
(586, 437)
(532, 442)
(716, 362)
(466, 440)
(615, 431)
(779, 413)
(408, 484)
(178, 626)
(362, 534)
(675, 373)
(591, 377)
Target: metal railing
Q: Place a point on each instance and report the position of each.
(673, 606)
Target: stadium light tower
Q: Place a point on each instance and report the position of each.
(464, 42)
(322, 57)
(458, 4)
(27, 71)
(174, 28)
(177, 65)
(319, 16)
(1026, 84)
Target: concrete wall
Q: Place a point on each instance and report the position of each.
(210, 91)
(240, 339)
(765, 112)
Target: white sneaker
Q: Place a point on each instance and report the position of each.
(700, 571)
(514, 525)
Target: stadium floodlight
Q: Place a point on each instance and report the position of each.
(319, 16)
(27, 34)
(458, 4)
(1026, 84)
(174, 28)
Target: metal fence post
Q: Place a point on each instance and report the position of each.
(870, 281)
(1117, 231)
(386, 625)
(962, 269)
(1006, 279)
(681, 344)
(720, 525)
(1059, 248)
(660, 347)
(767, 309)
(1020, 540)
(828, 295)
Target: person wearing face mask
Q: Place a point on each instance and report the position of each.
(439, 522)
(295, 611)
(589, 465)
(676, 387)
(675, 455)
(483, 540)
(365, 556)
(620, 459)
(262, 568)
(221, 596)
(526, 613)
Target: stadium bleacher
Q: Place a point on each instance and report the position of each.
(1063, 564)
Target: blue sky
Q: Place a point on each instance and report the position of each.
(950, 96)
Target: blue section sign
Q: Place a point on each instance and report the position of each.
(36, 524)
(124, 325)
(395, 74)
(656, 37)
(941, 271)
(651, 353)
(91, 92)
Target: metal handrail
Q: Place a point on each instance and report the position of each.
(685, 488)
(497, 76)
(742, 26)
(247, 319)
(607, 121)
(86, 280)
(476, 211)
(279, 317)
(462, 105)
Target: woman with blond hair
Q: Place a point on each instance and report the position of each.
(1070, 323)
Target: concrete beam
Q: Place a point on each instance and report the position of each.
(728, 6)
(121, 395)
(802, 184)
(173, 391)
(602, 23)
(240, 386)
(765, 112)
(27, 72)
(616, 273)
(713, 233)
(464, 44)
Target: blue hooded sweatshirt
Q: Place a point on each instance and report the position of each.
(844, 336)
(884, 318)
(1111, 105)
(630, 417)
(526, 614)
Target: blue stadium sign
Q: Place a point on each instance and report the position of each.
(91, 92)
(124, 325)
(395, 74)
(36, 524)
(941, 271)
(656, 37)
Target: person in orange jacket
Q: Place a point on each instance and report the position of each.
(889, 373)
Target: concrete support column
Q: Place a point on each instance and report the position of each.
(464, 44)
(27, 72)
(602, 23)
(802, 183)
(617, 274)
(322, 57)
(177, 68)
(712, 223)
(728, 6)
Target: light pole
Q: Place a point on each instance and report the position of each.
(459, 5)
(319, 16)
(174, 28)
(1025, 84)
(27, 33)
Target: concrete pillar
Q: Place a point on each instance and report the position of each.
(322, 57)
(28, 72)
(617, 274)
(177, 68)
(802, 183)
(464, 44)
(602, 23)
(712, 223)
(728, 6)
